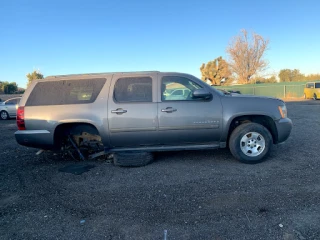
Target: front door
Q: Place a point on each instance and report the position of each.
(132, 110)
(184, 120)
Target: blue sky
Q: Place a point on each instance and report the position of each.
(64, 37)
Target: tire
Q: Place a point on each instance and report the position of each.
(4, 115)
(250, 153)
(126, 159)
(315, 97)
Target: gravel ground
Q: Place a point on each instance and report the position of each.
(192, 195)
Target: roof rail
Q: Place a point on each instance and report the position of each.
(103, 73)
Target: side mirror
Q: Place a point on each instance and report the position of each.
(201, 93)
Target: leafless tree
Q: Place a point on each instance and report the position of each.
(246, 55)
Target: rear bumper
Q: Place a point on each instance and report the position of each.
(284, 127)
(35, 138)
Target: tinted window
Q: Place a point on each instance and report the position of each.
(65, 92)
(317, 85)
(177, 88)
(133, 89)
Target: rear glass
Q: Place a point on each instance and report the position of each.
(65, 92)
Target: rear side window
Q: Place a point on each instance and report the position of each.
(317, 85)
(309, 85)
(133, 89)
(65, 92)
(12, 101)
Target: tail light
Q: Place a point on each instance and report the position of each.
(20, 118)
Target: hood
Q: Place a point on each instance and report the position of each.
(254, 97)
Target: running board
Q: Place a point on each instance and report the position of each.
(164, 148)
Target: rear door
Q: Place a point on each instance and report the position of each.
(185, 120)
(132, 110)
(11, 106)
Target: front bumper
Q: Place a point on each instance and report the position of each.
(284, 127)
(35, 138)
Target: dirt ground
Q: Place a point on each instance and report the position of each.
(191, 194)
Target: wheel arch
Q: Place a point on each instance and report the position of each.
(64, 129)
(265, 120)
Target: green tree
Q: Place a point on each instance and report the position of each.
(215, 71)
(33, 76)
(246, 55)
(312, 77)
(288, 75)
(9, 88)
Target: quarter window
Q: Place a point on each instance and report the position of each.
(65, 92)
(133, 89)
(175, 88)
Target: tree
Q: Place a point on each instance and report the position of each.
(246, 55)
(288, 75)
(215, 71)
(9, 88)
(285, 75)
(312, 77)
(33, 76)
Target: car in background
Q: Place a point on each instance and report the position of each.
(177, 94)
(230, 92)
(8, 108)
(312, 90)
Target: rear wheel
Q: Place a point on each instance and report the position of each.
(250, 143)
(82, 142)
(4, 115)
(315, 97)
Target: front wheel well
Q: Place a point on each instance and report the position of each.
(265, 121)
(66, 129)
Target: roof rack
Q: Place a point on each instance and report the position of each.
(103, 73)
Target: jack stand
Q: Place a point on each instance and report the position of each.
(75, 146)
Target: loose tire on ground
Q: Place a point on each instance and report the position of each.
(127, 159)
(242, 135)
(4, 115)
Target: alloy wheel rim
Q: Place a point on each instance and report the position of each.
(252, 144)
(4, 115)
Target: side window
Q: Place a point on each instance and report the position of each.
(11, 102)
(65, 92)
(175, 88)
(310, 85)
(317, 85)
(133, 89)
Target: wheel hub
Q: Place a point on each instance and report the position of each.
(252, 144)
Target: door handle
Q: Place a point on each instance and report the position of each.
(119, 111)
(169, 110)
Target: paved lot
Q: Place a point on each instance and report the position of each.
(192, 195)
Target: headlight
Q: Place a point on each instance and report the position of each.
(283, 111)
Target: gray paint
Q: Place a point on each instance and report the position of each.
(149, 125)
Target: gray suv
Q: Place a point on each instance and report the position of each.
(130, 116)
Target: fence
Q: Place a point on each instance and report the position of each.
(278, 90)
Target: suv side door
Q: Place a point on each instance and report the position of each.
(132, 110)
(188, 120)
